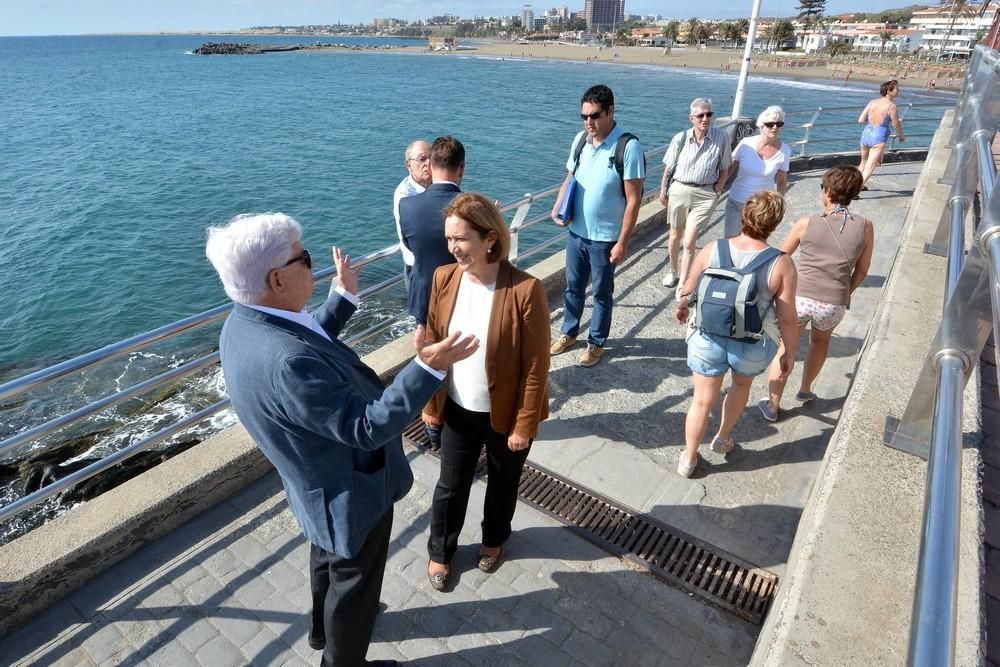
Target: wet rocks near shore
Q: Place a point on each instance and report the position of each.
(255, 48)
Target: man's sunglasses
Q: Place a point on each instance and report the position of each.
(703, 116)
(777, 123)
(592, 116)
(419, 158)
(305, 258)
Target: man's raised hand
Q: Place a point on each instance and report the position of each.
(443, 354)
(347, 275)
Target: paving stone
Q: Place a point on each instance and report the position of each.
(535, 617)
(220, 653)
(393, 626)
(286, 578)
(584, 617)
(395, 591)
(235, 624)
(587, 650)
(468, 637)
(105, 642)
(535, 649)
(277, 613)
(76, 657)
(187, 574)
(192, 630)
(171, 654)
(508, 571)
(202, 591)
(224, 566)
(251, 592)
(163, 597)
(437, 620)
(430, 649)
(60, 617)
(498, 593)
(251, 552)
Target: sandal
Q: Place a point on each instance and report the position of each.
(488, 563)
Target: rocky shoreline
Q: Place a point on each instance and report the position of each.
(256, 48)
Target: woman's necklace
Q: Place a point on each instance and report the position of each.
(840, 208)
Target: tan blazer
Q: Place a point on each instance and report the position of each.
(517, 347)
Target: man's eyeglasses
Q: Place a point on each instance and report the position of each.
(703, 116)
(419, 158)
(305, 258)
(592, 116)
(777, 123)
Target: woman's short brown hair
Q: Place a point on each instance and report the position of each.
(842, 184)
(484, 217)
(762, 213)
(888, 86)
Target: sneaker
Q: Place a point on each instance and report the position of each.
(591, 355)
(765, 409)
(805, 396)
(685, 469)
(563, 343)
(670, 280)
(723, 445)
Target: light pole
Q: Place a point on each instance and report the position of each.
(745, 67)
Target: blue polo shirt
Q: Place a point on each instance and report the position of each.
(599, 205)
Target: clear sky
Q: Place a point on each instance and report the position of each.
(74, 17)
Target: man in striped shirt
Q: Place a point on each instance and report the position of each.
(696, 167)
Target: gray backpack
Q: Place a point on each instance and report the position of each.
(725, 298)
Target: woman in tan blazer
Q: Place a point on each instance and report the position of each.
(498, 396)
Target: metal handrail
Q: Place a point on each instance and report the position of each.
(932, 422)
(33, 381)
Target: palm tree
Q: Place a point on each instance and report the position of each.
(743, 28)
(705, 32)
(839, 47)
(959, 9)
(671, 30)
(781, 32)
(884, 37)
(731, 33)
(693, 24)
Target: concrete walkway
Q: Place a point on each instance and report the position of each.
(230, 588)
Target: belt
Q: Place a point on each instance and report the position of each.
(695, 185)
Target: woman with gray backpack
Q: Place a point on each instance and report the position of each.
(738, 301)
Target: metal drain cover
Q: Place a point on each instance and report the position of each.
(681, 560)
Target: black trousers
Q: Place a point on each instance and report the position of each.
(462, 439)
(345, 594)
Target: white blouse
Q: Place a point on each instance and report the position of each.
(467, 382)
(756, 174)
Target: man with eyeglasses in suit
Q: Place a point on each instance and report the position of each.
(696, 166)
(321, 416)
(417, 160)
(605, 209)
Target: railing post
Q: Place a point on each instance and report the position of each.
(808, 128)
(515, 225)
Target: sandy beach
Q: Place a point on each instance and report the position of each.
(728, 60)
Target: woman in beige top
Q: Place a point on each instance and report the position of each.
(835, 254)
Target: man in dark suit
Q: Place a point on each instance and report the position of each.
(421, 221)
(321, 416)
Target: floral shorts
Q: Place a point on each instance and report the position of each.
(824, 316)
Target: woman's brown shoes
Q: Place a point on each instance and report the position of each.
(439, 580)
(488, 563)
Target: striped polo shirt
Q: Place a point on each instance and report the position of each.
(698, 165)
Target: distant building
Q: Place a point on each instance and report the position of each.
(563, 12)
(527, 18)
(992, 40)
(901, 41)
(604, 14)
(970, 24)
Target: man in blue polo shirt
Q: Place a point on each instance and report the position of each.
(605, 209)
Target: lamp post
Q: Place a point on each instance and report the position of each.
(745, 67)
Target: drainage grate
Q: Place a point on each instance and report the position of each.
(681, 560)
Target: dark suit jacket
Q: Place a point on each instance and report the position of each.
(323, 418)
(421, 221)
(517, 347)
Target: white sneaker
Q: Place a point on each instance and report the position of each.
(685, 469)
(669, 280)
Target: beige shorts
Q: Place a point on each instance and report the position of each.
(690, 205)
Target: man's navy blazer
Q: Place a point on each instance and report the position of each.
(421, 221)
(323, 418)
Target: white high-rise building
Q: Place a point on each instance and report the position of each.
(527, 18)
(971, 24)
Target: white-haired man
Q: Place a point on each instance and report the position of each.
(417, 160)
(321, 416)
(696, 166)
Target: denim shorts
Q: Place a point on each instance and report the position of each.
(712, 355)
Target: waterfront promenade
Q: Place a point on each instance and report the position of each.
(230, 587)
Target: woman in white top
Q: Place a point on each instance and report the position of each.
(760, 163)
(496, 397)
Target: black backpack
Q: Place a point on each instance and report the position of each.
(725, 298)
(619, 155)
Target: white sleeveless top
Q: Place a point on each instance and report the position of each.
(467, 382)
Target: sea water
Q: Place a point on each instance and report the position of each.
(118, 152)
